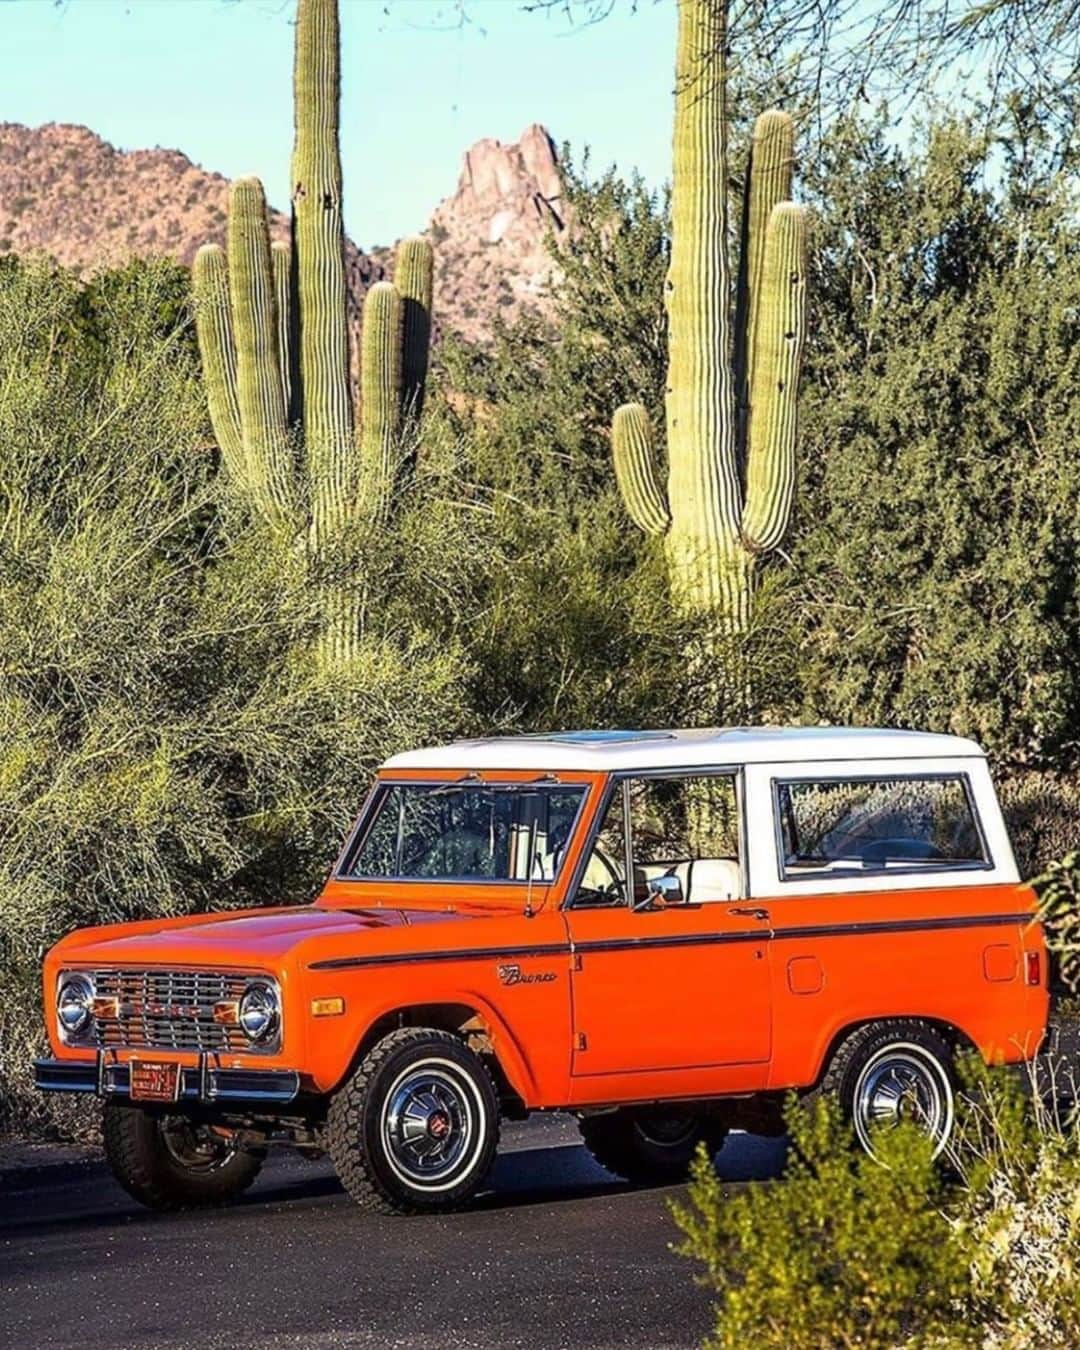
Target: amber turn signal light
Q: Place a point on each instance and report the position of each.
(105, 1007)
(227, 1013)
(327, 1007)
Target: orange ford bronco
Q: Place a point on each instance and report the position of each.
(663, 932)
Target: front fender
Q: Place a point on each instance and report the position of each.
(528, 1022)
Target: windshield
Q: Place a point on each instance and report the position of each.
(464, 832)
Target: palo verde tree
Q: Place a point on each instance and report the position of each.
(273, 332)
(732, 376)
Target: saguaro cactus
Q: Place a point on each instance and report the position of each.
(273, 333)
(731, 388)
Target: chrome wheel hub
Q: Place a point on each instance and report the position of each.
(430, 1126)
(903, 1084)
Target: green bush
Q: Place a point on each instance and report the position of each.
(930, 576)
(167, 744)
(935, 552)
(1017, 1206)
(844, 1251)
(1042, 812)
(1059, 893)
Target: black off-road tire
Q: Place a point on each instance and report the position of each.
(360, 1134)
(630, 1143)
(904, 1040)
(142, 1162)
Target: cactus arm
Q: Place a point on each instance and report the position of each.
(781, 334)
(635, 469)
(768, 181)
(213, 327)
(281, 263)
(254, 321)
(380, 394)
(414, 272)
(704, 492)
(318, 240)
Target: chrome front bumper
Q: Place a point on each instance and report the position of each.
(202, 1082)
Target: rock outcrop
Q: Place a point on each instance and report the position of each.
(491, 235)
(66, 192)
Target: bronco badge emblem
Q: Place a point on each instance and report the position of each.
(513, 974)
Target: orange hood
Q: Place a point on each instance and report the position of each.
(238, 938)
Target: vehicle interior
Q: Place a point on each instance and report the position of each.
(681, 835)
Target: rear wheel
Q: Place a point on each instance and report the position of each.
(650, 1144)
(416, 1127)
(169, 1162)
(889, 1072)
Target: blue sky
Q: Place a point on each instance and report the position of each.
(212, 78)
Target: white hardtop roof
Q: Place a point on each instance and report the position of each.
(603, 751)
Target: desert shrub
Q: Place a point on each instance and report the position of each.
(1059, 892)
(1042, 812)
(845, 1252)
(929, 578)
(1018, 1203)
(842, 1252)
(168, 742)
(935, 545)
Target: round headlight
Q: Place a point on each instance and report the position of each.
(74, 1003)
(259, 1012)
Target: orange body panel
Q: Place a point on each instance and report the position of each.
(606, 1005)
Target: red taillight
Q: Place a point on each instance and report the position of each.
(1034, 968)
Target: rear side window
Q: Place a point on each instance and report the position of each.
(852, 826)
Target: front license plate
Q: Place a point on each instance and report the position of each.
(154, 1080)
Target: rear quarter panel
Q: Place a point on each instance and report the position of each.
(949, 947)
(949, 955)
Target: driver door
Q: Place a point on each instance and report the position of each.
(666, 987)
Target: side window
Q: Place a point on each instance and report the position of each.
(683, 827)
(604, 879)
(851, 826)
(687, 828)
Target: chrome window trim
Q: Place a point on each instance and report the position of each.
(858, 873)
(356, 842)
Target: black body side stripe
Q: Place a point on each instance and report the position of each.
(426, 958)
(904, 925)
(762, 934)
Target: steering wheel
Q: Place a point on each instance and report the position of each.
(612, 889)
(888, 850)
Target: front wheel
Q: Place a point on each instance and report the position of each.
(889, 1072)
(650, 1144)
(416, 1127)
(168, 1162)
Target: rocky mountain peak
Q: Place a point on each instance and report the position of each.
(66, 192)
(490, 236)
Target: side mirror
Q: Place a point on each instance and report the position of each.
(661, 892)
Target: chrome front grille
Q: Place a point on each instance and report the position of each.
(168, 1009)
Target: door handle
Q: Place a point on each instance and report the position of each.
(750, 912)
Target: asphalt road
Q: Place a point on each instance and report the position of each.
(557, 1253)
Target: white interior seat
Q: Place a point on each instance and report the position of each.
(713, 880)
